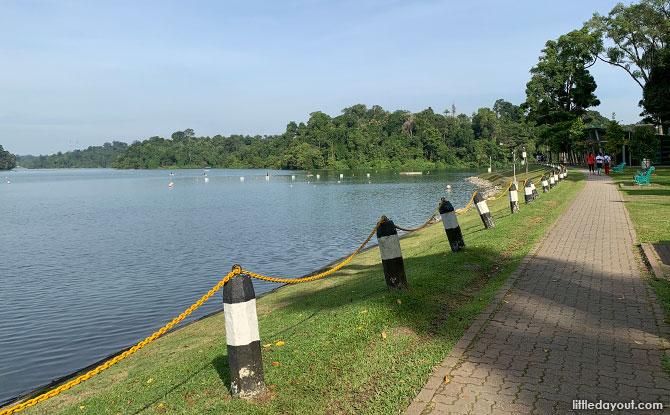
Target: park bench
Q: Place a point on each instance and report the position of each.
(643, 179)
(619, 168)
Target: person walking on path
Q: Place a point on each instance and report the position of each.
(573, 322)
(608, 160)
(599, 163)
(592, 162)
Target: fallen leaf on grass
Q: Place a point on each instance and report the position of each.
(160, 405)
(313, 367)
(383, 335)
(275, 363)
(82, 407)
(364, 311)
(279, 343)
(150, 380)
(267, 345)
(272, 387)
(446, 379)
(399, 301)
(359, 327)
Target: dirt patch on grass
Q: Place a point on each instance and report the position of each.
(403, 331)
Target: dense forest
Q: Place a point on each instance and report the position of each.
(7, 160)
(92, 157)
(359, 137)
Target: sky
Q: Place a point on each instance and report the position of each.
(80, 73)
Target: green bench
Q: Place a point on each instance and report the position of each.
(619, 168)
(643, 179)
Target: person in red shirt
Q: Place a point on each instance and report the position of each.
(591, 159)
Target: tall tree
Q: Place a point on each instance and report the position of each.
(7, 160)
(561, 87)
(656, 94)
(636, 34)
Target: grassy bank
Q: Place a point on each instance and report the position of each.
(342, 344)
(649, 210)
(503, 177)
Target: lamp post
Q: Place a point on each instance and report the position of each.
(525, 161)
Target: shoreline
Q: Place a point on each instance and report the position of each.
(484, 186)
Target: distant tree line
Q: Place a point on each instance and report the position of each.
(359, 137)
(7, 160)
(92, 157)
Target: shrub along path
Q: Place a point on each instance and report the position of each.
(575, 322)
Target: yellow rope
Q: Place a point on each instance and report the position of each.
(493, 199)
(465, 209)
(320, 275)
(43, 397)
(422, 226)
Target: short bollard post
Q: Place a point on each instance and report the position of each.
(565, 172)
(534, 191)
(552, 181)
(451, 226)
(389, 247)
(545, 184)
(528, 192)
(483, 210)
(559, 176)
(244, 347)
(513, 199)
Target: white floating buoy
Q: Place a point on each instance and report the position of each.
(267, 177)
(206, 179)
(293, 177)
(368, 175)
(8, 182)
(339, 181)
(318, 176)
(341, 176)
(291, 185)
(171, 184)
(449, 187)
(241, 179)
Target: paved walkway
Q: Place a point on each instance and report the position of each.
(573, 322)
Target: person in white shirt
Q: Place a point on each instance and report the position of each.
(599, 163)
(607, 162)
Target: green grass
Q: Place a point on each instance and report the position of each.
(649, 210)
(334, 358)
(648, 206)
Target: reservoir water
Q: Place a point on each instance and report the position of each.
(95, 260)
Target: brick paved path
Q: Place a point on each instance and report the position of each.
(574, 322)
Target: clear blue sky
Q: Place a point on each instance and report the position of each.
(79, 73)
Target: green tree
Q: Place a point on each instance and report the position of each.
(636, 34)
(561, 88)
(615, 136)
(7, 159)
(656, 93)
(644, 142)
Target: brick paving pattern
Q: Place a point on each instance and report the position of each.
(575, 324)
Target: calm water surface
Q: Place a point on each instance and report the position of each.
(92, 261)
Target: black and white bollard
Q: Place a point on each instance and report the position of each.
(565, 172)
(244, 347)
(513, 199)
(536, 195)
(545, 184)
(559, 176)
(552, 180)
(528, 192)
(451, 226)
(483, 210)
(389, 247)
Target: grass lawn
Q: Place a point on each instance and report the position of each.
(649, 210)
(349, 345)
